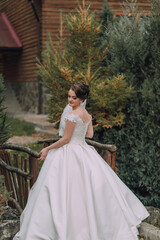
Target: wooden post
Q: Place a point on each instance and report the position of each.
(46, 144)
(108, 157)
(113, 161)
(33, 168)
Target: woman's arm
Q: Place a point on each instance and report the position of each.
(90, 131)
(69, 128)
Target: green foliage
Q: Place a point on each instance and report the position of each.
(81, 58)
(4, 128)
(135, 51)
(20, 127)
(128, 51)
(106, 19)
(108, 108)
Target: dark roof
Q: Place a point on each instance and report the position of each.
(9, 39)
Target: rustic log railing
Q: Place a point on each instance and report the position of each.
(21, 172)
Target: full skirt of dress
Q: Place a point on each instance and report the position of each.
(77, 196)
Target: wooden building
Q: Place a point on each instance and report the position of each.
(24, 28)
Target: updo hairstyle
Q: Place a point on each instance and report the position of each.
(81, 90)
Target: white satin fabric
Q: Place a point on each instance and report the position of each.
(77, 196)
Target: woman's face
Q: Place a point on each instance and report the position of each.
(73, 100)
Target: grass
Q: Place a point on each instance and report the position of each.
(20, 127)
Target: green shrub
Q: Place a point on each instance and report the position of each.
(135, 51)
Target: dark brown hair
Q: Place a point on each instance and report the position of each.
(81, 90)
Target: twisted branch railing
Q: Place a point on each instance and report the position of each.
(21, 172)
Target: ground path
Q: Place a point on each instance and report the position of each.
(43, 127)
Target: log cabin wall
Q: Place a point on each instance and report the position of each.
(19, 68)
(22, 18)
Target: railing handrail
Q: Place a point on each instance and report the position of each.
(20, 148)
(14, 169)
(109, 147)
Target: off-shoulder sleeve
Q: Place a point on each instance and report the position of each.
(70, 117)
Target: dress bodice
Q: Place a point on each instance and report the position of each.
(80, 129)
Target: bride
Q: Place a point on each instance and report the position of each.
(77, 195)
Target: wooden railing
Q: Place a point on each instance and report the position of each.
(21, 171)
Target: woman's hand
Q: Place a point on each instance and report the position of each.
(43, 154)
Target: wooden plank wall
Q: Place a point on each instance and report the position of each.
(21, 67)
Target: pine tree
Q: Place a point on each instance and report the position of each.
(107, 19)
(4, 128)
(135, 51)
(81, 58)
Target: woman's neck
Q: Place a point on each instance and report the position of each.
(76, 108)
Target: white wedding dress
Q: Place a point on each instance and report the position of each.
(77, 196)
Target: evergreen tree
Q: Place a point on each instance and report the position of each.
(4, 131)
(106, 19)
(135, 51)
(81, 58)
